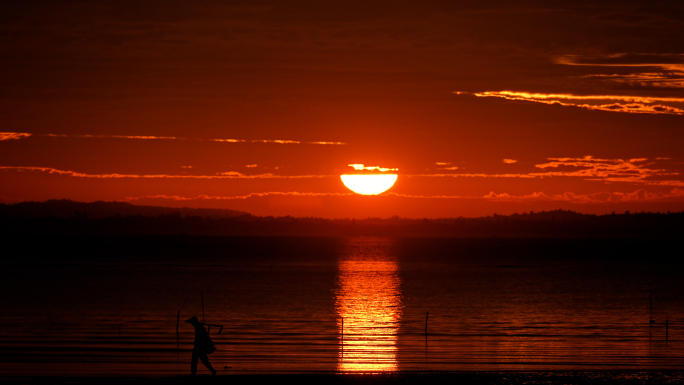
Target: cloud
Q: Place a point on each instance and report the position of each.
(612, 170)
(223, 175)
(279, 141)
(361, 167)
(636, 170)
(598, 197)
(510, 161)
(328, 143)
(475, 175)
(13, 135)
(446, 166)
(640, 74)
(508, 197)
(236, 197)
(566, 197)
(139, 137)
(612, 103)
(643, 70)
(669, 61)
(10, 135)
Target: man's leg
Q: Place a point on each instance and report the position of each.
(205, 361)
(193, 364)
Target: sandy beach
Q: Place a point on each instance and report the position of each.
(461, 378)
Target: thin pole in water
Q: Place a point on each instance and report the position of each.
(650, 308)
(651, 321)
(427, 313)
(342, 338)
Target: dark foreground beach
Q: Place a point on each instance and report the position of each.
(461, 378)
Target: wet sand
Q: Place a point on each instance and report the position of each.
(460, 378)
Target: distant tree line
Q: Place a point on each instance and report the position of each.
(116, 218)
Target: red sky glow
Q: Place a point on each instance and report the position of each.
(260, 106)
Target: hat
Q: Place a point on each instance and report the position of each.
(192, 320)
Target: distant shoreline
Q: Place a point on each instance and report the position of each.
(116, 218)
(462, 378)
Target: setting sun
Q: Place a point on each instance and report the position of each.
(369, 184)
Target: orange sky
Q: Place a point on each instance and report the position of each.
(259, 106)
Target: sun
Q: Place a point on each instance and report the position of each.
(366, 183)
(369, 184)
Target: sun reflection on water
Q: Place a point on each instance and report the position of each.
(368, 305)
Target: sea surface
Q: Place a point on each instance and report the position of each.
(115, 306)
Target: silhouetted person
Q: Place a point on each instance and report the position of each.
(203, 346)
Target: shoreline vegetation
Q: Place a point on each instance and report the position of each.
(463, 378)
(64, 217)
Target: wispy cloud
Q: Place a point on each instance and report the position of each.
(276, 141)
(646, 70)
(612, 103)
(598, 197)
(223, 175)
(237, 197)
(638, 73)
(13, 135)
(361, 167)
(445, 166)
(635, 170)
(567, 197)
(473, 175)
(139, 137)
(521, 198)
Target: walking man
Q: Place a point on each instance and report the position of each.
(203, 346)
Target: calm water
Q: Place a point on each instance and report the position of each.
(294, 305)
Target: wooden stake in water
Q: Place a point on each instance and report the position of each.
(651, 321)
(427, 313)
(177, 323)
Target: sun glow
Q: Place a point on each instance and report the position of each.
(368, 303)
(369, 184)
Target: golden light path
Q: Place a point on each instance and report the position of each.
(369, 307)
(369, 184)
